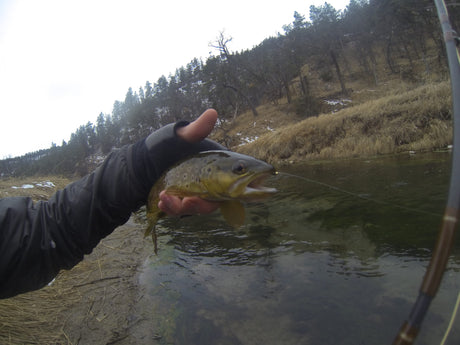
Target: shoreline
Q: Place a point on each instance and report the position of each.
(99, 301)
(414, 120)
(96, 302)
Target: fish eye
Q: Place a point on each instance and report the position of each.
(239, 168)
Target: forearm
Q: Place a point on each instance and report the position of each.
(37, 240)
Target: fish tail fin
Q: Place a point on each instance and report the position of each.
(155, 241)
(150, 230)
(151, 227)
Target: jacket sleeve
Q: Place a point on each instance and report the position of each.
(39, 239)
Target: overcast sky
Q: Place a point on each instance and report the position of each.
(64, 62)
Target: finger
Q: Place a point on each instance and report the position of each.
(175, 206)
(194, 205)
(200, 128)
(169, 204)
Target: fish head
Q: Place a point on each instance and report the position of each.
(235, 176)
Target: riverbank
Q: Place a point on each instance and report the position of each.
(404, 118)
(96, 302)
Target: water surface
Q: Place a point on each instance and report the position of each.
(313, 265)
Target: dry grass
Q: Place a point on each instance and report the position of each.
(248, 127)
(417, 119)
(41, 190)
(89, 304)
(33, 318)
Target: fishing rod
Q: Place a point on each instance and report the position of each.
(440, 257)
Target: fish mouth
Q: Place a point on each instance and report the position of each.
(251, 188)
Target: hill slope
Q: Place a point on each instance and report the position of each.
(405, 118)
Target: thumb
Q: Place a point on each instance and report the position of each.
(200, 128)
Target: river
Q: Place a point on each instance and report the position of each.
(336, 257)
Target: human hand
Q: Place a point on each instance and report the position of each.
(193, 132)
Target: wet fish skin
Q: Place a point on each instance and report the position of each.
(224, 176)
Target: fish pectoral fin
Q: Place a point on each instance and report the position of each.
(233, 212)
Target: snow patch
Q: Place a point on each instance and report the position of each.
(248, 140)
(24, 186)
(43, 184)
(51, 282)
(342, 102)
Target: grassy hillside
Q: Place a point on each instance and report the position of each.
(37, 188)
(391, 118)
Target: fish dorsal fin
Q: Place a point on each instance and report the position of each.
(233, 212)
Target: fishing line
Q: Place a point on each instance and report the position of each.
(361, 196)
(452, 320)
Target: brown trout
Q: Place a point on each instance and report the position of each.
(224, 176)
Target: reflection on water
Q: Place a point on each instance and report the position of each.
(312, 265)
